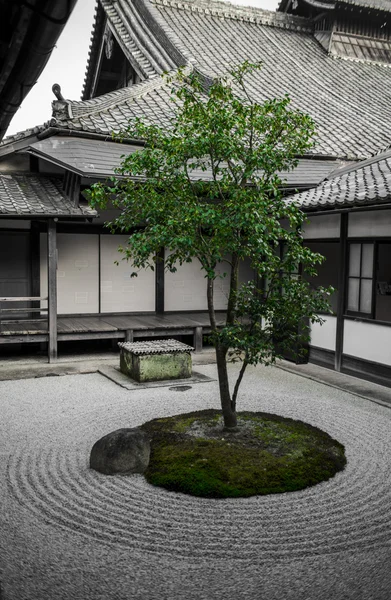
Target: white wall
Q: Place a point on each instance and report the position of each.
(367, 341)
(119, 291)
(77, 272)
(323, 336)
(322, 227)
(370, 223)
(186, 288)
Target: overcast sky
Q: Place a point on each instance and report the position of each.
(67, 65)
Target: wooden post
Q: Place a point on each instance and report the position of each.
(343, 246)
(198, 339)
(159, 282)
(129, 335)
(52, 290)
(35, 288)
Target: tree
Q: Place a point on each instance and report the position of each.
(234, 210)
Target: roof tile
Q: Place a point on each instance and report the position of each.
(30, 195)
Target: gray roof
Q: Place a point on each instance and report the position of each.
(384, 5)
(26, 195)
(98, 159)
(368, 183)
(349, 100)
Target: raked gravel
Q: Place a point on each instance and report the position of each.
(70, 533)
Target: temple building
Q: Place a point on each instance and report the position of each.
(334, 61)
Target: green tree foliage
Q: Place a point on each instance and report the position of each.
(208, 187)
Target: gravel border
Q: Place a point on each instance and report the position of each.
(69, 532)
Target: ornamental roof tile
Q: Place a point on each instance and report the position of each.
(365, 184)
(26, 195)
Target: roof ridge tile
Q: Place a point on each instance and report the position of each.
(240, 13)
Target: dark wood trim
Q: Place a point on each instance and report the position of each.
(35, 267)
(99, 276)
(159, 282)
(321, 240)
(321, 357)
(52, 289)
(34, 163)
(371, 321)
(91, 335)
(23, 339)
(342, 282)
(366, 369)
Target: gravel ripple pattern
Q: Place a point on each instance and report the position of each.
(51, 426)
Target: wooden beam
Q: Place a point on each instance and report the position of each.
(343, 247)
(159, 282)
(52, 289)
(110, 75)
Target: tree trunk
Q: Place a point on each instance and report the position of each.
(229, 415)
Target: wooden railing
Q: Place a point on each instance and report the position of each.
(22, 309)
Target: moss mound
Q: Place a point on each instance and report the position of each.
(269, 454)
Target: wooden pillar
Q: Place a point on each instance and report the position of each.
(343, 247)
(198, 339)
(159, 282)
(52, 289)
(35, 286)
(129, 335)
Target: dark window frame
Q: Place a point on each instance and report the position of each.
(368, 317)
(360, 313)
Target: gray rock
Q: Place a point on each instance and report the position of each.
(123, 451)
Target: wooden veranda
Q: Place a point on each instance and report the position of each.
(115, 327)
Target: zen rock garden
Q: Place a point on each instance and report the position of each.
(195, 454)
(127, 451)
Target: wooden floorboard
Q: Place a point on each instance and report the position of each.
(126, 322)
(68, 326)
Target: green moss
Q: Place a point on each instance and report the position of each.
(270, 454)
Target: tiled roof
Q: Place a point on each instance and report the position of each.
(349, 100)
(140, 36)
(29, 195)
(98, 158)
(368, 183)
(384, 5)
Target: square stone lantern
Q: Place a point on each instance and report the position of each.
(155, 360)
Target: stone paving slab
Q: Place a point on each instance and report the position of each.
(115, 375)
(359, 387)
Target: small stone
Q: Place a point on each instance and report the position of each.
(123, 451)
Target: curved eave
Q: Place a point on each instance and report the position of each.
(36, 32)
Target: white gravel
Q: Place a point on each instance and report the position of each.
(70, 533)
